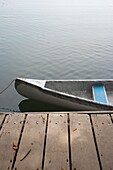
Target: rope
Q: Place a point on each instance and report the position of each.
(9, 110)
(7, 86)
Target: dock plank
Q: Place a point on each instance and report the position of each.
(112, 117)
(84, 156)
(57, 143)
(54, 142)
(9, 135)
(1, 119)
(32, 143)
(103, 128)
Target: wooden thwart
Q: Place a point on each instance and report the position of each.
(99, 94)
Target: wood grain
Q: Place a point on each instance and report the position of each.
(84, 156)
(9, 133)
(57, 143)
(31, 148)
(103, 128)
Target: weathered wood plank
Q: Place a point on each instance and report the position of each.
(9, 133)
(103, 128)
(32, 143)
(57, 143)
(112, 117)
(1, 118)
(84, 156)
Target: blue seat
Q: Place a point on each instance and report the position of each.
(99, 94)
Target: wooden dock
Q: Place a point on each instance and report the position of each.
(56, 141)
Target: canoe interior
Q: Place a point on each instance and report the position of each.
(82, 88)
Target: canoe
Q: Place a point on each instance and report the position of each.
(69, 94)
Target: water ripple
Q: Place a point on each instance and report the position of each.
(54, 40)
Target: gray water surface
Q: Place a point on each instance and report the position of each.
(54, 39)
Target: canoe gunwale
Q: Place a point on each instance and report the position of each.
(63, 96)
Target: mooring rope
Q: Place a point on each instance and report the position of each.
(7, 109)
(7, 86)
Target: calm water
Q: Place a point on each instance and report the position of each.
(53, 39)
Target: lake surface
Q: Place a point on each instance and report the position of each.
(53, 39)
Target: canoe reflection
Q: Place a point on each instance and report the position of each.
(29, 105)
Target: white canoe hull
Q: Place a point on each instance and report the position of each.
(37, 90)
